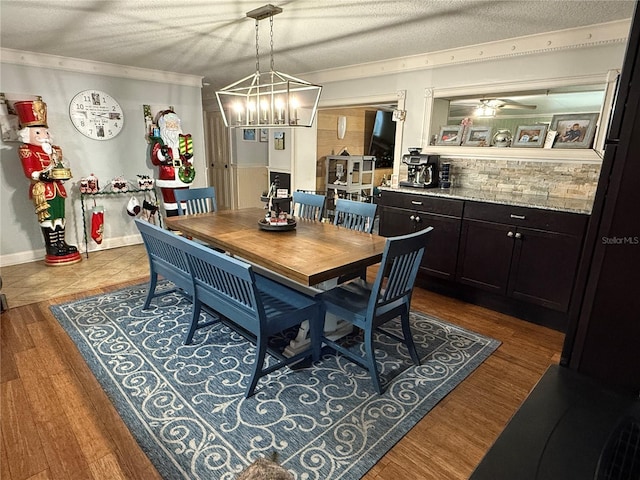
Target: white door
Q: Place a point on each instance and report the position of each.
(218, 149)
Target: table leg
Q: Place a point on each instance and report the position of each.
(334, 327)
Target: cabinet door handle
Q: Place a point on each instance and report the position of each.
(519, 217)
(417, 219)
(518, 235)
(414, 202)
(412, 218)
(509, 234)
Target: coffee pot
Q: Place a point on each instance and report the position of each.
(422, 169)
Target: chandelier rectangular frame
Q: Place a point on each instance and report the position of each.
(268, 99)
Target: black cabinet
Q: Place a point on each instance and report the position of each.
(485, 256)
(527, 254)
(402, 213)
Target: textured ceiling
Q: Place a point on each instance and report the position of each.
(215, 39)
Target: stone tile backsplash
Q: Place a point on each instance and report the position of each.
(552, 179)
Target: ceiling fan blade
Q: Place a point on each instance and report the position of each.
(513, 104)
(517, 106)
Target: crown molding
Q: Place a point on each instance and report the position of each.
(581, 37)
(32, 59)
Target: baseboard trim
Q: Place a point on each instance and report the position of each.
(29, 256)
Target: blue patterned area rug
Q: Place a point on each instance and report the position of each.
(185, 404)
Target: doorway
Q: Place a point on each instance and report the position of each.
(218, 152)
(359, 130)
(357, 140)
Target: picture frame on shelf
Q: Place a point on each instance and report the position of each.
(249, 134)
(450, 135)
(530, 136)
(477, 136)
(575, 130)
(551, 138)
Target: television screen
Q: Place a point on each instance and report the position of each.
(383, 139)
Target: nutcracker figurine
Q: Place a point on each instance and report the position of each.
(43, 165)
(171, 151)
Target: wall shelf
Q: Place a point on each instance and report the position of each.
(584, 155)
(109, 192)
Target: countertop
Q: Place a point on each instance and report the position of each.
(505, 198)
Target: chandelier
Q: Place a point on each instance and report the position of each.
(268, 99)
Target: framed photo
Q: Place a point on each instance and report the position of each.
(249, 134)
(477, 137)
(530, 136)
(450, 135)
(574, 130)
(278, 140)
(264, 134)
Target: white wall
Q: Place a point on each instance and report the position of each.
(552, 64)
(20, 236)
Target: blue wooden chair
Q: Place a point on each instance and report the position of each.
(368, 306)
(255, 303)
(196, 200)
(355, 215)
(308, 205)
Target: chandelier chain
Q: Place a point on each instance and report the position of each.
(271, 42)
(257, 50)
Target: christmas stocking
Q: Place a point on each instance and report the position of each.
(133, 207)
(97, 224)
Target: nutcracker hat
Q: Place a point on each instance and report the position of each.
(32, 113)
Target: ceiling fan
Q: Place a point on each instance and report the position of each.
(488, 107)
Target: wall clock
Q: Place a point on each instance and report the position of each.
(96, 114)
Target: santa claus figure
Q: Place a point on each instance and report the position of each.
(172, 151)
(43, 165)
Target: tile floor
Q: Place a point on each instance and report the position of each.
(31, 282)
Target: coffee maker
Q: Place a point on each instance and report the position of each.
(422, 169)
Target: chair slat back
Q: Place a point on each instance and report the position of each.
(308, 205)
(355, 215)
(164, 250)
(398, 271)
(227, 285)
(196, 200)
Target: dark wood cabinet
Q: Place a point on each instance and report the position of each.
(533, 257)
(519, 260)
(543, 269)
(485, 256)
(405, 213)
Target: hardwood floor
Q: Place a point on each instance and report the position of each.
(57, 423)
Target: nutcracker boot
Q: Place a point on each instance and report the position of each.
(62, 245)
(51, 242)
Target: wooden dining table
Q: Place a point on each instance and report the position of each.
(312, 253)
(310, 257)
